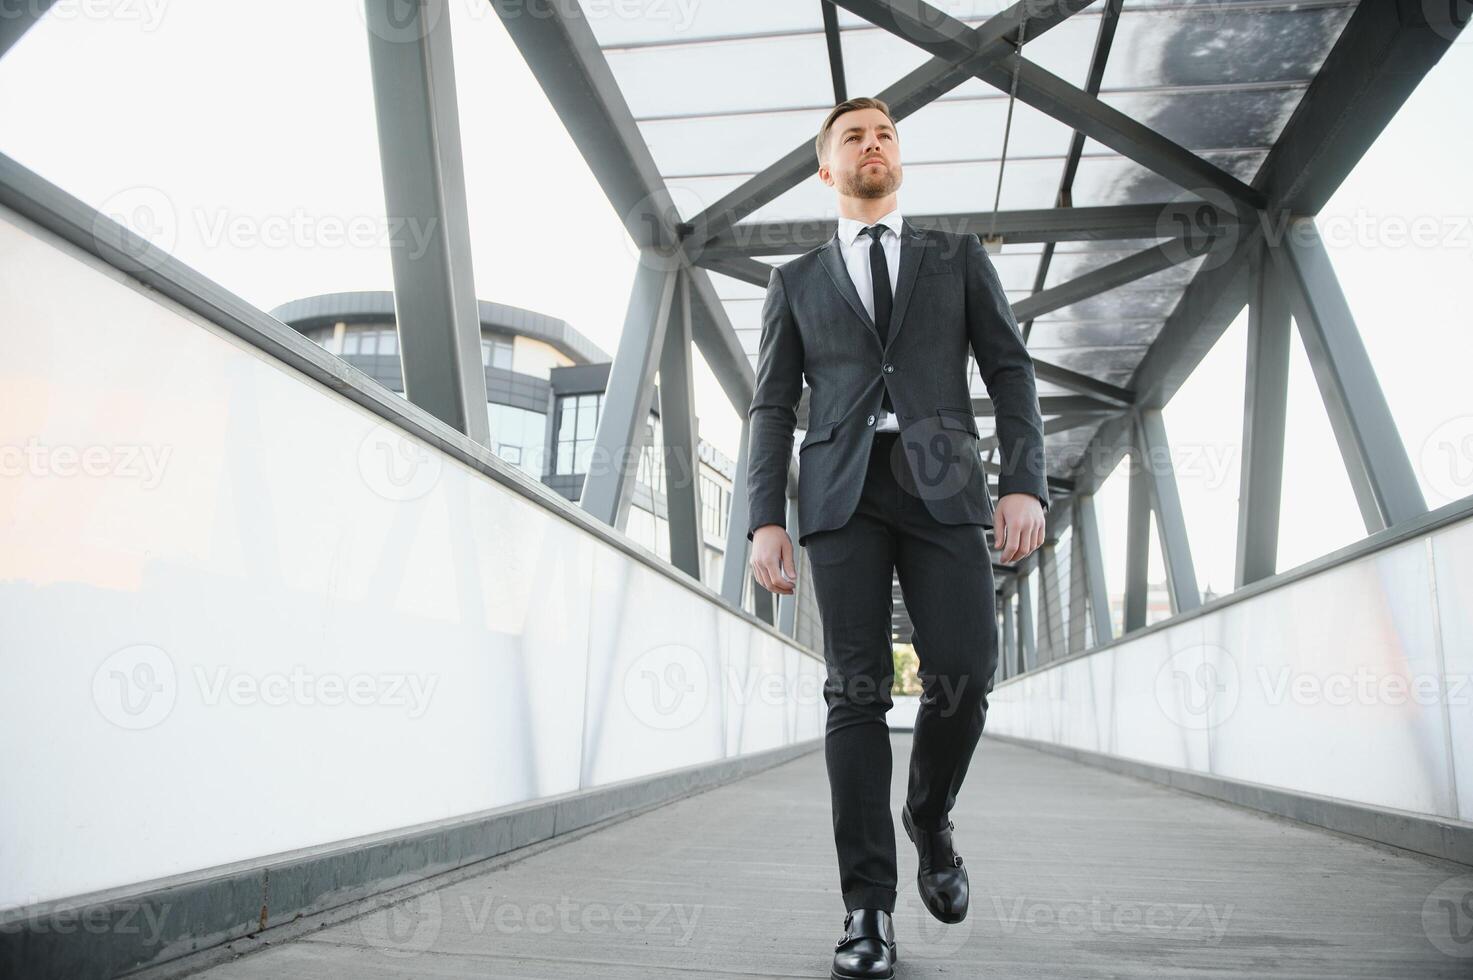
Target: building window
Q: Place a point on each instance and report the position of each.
(577, 424)
(651, 471)
(368, 341)
(496, 352)
(518, 436)
(714, 503)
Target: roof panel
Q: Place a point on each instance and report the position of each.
(722, 90)
(1216, 44)
(782, 72)
(625, 24)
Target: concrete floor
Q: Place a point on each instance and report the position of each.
(1075, 872)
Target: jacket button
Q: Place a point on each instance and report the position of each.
(870, 420)
(889, 369)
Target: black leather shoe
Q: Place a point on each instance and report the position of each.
(941, 879)
(866, 951)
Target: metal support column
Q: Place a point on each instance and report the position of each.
(678, 420)
(1027, 646)
(1137, 537)
(1009, 652)
(1050, 605)
(1375, 457)
(787, 605)
(762, 604)
(17, 18)
(1265, 407)
(734, 568)
(620, 439)
(435, 307)
(1078, 586)
(1087, 529)
(1171, 525)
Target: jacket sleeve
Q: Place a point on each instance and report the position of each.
(773, 415)
(1007, 371)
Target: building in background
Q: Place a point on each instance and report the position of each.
(544, 392)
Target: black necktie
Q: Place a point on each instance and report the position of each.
(879, 271)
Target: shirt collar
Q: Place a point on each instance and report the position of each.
(851, 229)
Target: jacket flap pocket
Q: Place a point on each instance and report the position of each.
(817, 434)
(955, 418)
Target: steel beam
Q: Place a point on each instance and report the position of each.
(1171, 525)
(1078, 587)
(1052, 642)
(735, 569)
(678, 423)
(1109, 222)
(563, 55)
(1087, 530)
(1137, 537)
(1265, 407)
(1135, 266)
(435, 305)
(787, 605)
(17, 18)
(1009, 642)
(835, 48)
(1380, 57)
(1375, 457)
(620, 438)
(1028, 647)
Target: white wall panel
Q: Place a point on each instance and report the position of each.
(240, 614)
(1354, 681)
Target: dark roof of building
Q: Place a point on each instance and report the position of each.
(378, 304)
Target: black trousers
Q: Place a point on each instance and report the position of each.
(945, 573)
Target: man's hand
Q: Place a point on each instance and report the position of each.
(772, 559)
(1017, 526)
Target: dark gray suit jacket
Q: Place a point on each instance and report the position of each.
(947, 299)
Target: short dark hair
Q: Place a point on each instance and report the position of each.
(848, 105)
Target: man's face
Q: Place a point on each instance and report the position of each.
(864, 155)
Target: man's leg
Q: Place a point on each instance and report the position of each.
(852, 567)
(945, 573)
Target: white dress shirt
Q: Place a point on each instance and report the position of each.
(855, 245)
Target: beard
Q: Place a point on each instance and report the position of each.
(868, 184)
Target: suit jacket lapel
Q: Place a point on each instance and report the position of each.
(912, 244)
(831, 257)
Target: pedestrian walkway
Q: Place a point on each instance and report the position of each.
(1076, 872)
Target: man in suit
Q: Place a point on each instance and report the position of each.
(879, 320)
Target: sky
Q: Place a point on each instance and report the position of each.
(244, 136)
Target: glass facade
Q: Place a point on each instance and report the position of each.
(517, 436)
(496, 352)
(576, 425)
